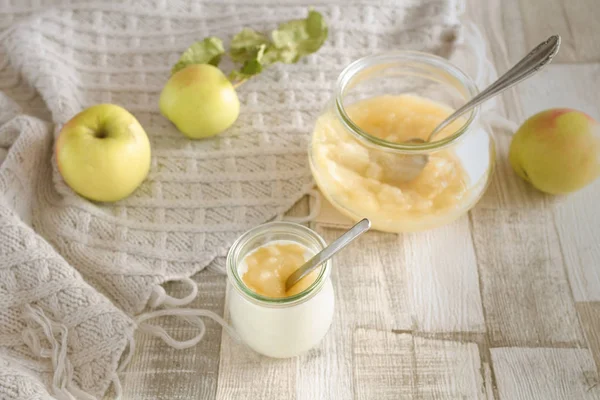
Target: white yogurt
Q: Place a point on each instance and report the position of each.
(281, 327)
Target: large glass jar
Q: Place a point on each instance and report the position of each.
(358, 146)
(287, 326)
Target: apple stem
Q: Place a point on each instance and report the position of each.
(239, 83)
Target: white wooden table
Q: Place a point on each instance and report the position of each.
(503, 304)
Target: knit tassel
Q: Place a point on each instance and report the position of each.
(56, 334)
(189, 314)
(160, 298)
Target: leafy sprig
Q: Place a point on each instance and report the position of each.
(253, 51)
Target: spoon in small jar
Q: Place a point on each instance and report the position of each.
(328, 252)
(541, 55)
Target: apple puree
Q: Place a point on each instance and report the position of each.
(268, 267)
(363, 182)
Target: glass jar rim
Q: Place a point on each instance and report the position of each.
(428, 59)
(269, 228)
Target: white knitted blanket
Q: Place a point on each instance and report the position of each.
(74, 275)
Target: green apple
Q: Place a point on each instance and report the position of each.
(200, 101)
(557, 150)
(103, 153)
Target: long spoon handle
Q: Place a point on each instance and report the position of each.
(529, 65)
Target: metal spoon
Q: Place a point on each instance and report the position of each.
(529, 65)
(327, 252)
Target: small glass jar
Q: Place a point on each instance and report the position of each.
(360, 172)
(279, 327)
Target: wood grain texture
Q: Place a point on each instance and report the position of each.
(575, 21)
(579, 231)
(559, 85)
(502, 25)
(399, 366)
(384, 365)
(589, 315)
(157, 371)
(526, 296)
(545, 374)
(448, 370)
(244, 374)
(442, 279)
(369, 281)
(427, 281)
(326, 371)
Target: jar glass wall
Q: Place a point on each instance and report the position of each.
(359, 144)
(279, 327)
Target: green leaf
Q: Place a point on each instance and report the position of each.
(253, 64)
(208, 51)
(246, 45)
(249, 69)
(290, 42)
(295, 39)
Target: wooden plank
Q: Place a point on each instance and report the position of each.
(545, 374)
(442, 280)
(430, 277)
(326, 371)
(373, 290)
(399, 366)
(448, 370)
(576, 215)
(384, 365)
(578, 224)
(522, 24)
(158, 371)
(369, 281)
(589, 315)
(244, 374)
(573, 86)
(575, 21)
(526, 297)
(503, 33)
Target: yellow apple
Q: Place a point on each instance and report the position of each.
(103, 153)
(557, 150)
(200, 101)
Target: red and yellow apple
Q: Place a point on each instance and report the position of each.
(557, 150)
(103, 153)
(200, 101)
